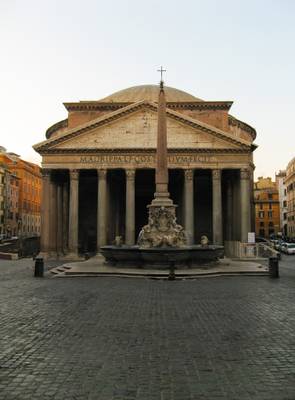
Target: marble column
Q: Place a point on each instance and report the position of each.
(118, 211)
(53, 218)
(74, 213)
(59, 221)
(229, 210)
(45, 211)
(101, 208)
(189, 205)
(65, 216)
(217, 207)
(245, 204)
(236, 228)
(130, 207)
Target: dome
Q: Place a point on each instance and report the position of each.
(149, 93)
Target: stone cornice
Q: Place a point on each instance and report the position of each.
(201, 105)
(143, 151)
(94, 105)
(240, 124)
(56, 127)
(191, 105)
(108, 118)
(266, 201)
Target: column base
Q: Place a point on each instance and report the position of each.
(71, 256)
(189, 238)
(61, 256)
(44, 254)
(99, 257)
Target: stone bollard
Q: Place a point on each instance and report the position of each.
(39, 267)
(273, 267)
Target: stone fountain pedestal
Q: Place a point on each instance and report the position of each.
(161, 257)
(162, 244)
(162, 229)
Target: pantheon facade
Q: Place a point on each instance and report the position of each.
(99, 170)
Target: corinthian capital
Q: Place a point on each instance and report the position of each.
(130, 174)
(102, 173)
(188, 174)
(74, 174)
(245, 173)
(45, 173)
(216, 173)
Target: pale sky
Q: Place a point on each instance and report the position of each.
(53, 51)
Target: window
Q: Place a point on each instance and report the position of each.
(270, 206)
(285, 215)
(261, 232)
(261, 206)
(261, 214)
(285, 203)
(270, 196)
(261, 223)
(270, 224)
(270, 214)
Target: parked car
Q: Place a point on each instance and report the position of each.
(275, 243)
(288, 248)
(259, 239)
(280, 245)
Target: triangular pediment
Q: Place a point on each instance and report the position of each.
(135, 127)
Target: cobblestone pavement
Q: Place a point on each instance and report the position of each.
(126, 339)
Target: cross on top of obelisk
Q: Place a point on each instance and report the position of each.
(161, 81)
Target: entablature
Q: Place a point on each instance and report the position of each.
(146, 159)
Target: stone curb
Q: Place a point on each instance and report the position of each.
(159, 276)
(8, 256)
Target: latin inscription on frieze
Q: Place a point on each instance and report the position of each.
(145, 159)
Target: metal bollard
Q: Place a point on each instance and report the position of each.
(273, 267)
(171, 276)
(39, 267)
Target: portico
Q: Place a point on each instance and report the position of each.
(98, 176)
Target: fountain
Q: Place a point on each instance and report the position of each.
(162, 242)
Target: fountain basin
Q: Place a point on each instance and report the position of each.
(162, 257)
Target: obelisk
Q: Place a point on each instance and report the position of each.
(162, 177)
(162, 229)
